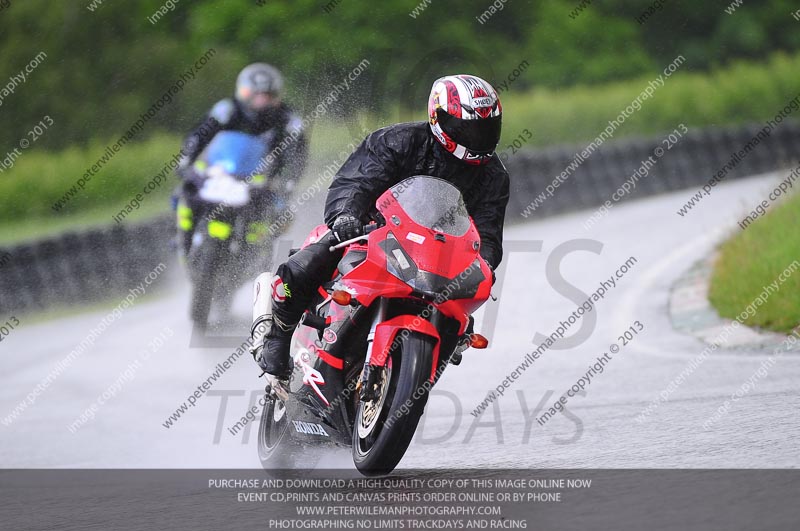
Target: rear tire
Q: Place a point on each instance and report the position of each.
(273, 436)
(277, 450)
(379, 445)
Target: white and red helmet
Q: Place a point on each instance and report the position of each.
(465, 117)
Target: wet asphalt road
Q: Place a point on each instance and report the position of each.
(600, 430)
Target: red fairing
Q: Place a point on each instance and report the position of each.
(371, 279)
(434, 264)
(386, 332)
(449, 258)
(318, 232)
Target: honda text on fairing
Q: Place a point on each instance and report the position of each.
(380, 333)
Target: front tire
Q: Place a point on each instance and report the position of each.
(204, 263)
(385, 426)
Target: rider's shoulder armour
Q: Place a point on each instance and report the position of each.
(223, 111)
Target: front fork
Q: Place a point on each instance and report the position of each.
(368, 382)
(369, 377)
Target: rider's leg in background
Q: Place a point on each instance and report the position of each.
(185, 227)
(187, 215)
(259, 226)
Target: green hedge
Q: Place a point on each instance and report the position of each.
(744, 92)
(107, 63)
(39, 178)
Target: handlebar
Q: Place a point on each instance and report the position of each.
(367, 230)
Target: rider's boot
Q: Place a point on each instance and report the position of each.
(272, 334)
(282, 299)
(275, 358)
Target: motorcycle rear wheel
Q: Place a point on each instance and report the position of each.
(385, 426)
(275, 448)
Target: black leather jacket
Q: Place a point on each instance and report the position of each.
(394, 153)
(274, 126)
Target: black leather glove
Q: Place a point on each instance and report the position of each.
(347, 227)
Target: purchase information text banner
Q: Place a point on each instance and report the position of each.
(473, 499)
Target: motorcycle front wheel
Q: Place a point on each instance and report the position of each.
(204, 264)
(385, 426)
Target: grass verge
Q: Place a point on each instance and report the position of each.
(753, 259)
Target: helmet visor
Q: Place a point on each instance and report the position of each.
(481, 135)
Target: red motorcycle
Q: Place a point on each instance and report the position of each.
(380, 333)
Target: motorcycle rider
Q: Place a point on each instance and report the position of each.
(457, 144)
(256, 109)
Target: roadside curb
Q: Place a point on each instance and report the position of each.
(691, 313)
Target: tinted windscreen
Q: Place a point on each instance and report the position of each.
(433, 203)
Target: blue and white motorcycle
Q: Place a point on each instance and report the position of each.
(230, 207)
